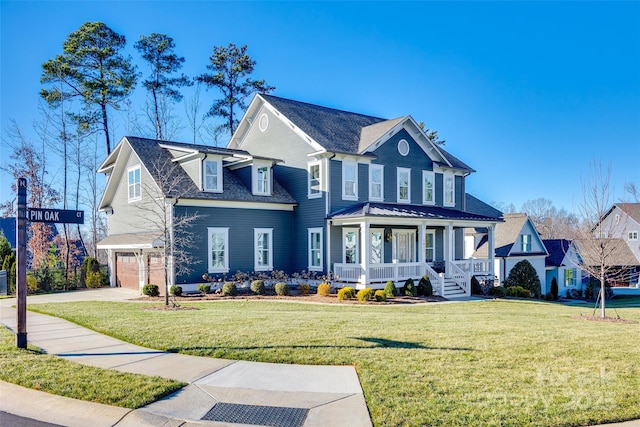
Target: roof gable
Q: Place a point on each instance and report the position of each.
(557, 249)
(507, 234)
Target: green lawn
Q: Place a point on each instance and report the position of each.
(31, 368)
(494, 362)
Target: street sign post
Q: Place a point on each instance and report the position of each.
(34, 215)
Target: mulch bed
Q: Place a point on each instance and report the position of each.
(604, 319)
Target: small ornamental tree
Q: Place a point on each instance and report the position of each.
(554, 288)
(523, 274)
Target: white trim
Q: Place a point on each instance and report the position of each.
(232, 204)
(263, 125)
(310, 231)
(372, 167)
(408, 172)
(203, 177)
(225, 232)
(411, 241)
(254, 178)
(311, 195)
(139, 183)
(402, 145)
(357, 247)
(345, 164)
(269, 264)
(445, 177)
(433, 188)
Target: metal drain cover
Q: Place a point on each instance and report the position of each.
(272, 416)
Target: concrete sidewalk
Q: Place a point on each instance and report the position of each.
(223, 392)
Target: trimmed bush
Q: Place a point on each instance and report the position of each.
(305, 289)
(175, 290)
(513, 291)
(346, 293)
(424, 287)
(204, 288)
(549, 297)
(380, 295)
(257, 287)
(592, 289)
(554, 288)
(364, 294)
(409, 288)
(390, 289)
(525, 293)
(499, 291)
(324, 289)
(93, 279)
(150, 290)
(523, 274)
(282, 289)
(229, 289)
(89, 265)
(476, 289)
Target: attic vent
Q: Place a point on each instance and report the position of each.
(403, 147)
(263, 123)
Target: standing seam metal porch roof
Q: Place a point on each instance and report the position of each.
(408, 211)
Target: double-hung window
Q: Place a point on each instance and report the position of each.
(570, 277)
(349, 180)
(449, 188)
(212, 175)
(377, 246)
(376, 182)
(350, 245)
(404, 185)
(633, 235)
(313, 186)
(263, 238)
(526, 243)
(262, 180)
(428, 197)
(134, 184)
(218, 249)
(315, 249)
(430, 245)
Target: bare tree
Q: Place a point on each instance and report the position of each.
(160, 196)
(601, 253)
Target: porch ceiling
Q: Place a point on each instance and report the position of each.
(394, 212)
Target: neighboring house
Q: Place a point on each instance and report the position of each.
(561, 264)
(516, 239)
(8, 228)
(301, 187)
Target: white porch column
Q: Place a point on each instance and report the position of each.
(111, 265)
(365, 251)
(422, 243)
(142, 267)
(448, 248)
(492, 251)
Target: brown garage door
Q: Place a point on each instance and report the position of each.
(127, 275)
(156, 271)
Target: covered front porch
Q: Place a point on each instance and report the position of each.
(382, 242)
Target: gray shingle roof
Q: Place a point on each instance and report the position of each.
(337, 130)
(477, 206)
(617, 252)
(155, 158)
(409, 211)
(506, 234)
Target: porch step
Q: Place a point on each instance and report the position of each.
(452, 290)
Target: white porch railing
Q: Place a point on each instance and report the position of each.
(474, 266)
(461, 277)
(437, 281)
(349, 273)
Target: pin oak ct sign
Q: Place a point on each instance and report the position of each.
(34, 215)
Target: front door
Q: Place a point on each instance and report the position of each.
(404, 244)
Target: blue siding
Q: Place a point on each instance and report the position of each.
(241, 224)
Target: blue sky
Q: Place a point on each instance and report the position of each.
(527, 93)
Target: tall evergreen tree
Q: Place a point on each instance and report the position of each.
(158, 51)
(93, 68)
(230, 65)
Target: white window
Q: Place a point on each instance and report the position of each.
(404, 185)
(212, 175)
(403, 246)
(376, 182)
(315, 249)
(377, 246)
(403, 147)
(349, 180)
(313, 187)
(262, 180)
(263, 259)
(430, 246)
(218, 249)
(350, 245)
(526, 243)
(449, 189)
(428, 196)
(134, 183)
(570, 277)
(633, 235)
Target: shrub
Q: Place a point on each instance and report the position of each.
(476, 289)
(593, 288)
(499, 291)
(513, 291)
(346, 293)
(364, 294)
(93, 279)
(229, 289)
(324, 289)
(150, 290)
(390, 289)
(523, 274)
(525, 293)
(424, 287)
(282, 289)
(257, 287)
(89, 264)
(175, 290)
(204, 288)
(554, 288)
(409, 288)
(32, 283)
(380, 295)
(549, 297)
(305, 289)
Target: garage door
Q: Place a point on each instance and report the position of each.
(156, 271)
(127, 269)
